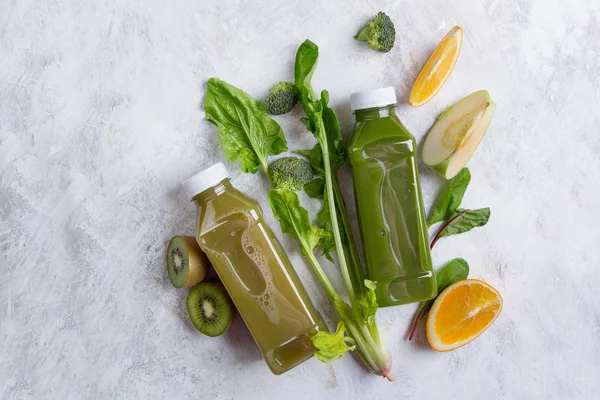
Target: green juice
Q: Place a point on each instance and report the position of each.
(390, 208)
(258, 276)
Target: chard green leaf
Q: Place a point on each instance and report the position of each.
(294, 219)
(456, 270)
(247, 134)
(331, 346)
(315, 189)
(465, 220)
(450, 198)
(368, 305)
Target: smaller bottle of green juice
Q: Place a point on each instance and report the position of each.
(254, 269)
(390, 208)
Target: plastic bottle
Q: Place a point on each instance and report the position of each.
(390, 208)
(254, 269)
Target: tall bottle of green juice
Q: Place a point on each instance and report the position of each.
(254, 269)
(388, 199)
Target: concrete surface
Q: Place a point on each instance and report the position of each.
(100, 119)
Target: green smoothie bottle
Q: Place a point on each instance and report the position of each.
(388, 200)
(254, 269)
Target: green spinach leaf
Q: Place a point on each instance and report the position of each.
(294, 219)
(247, 134)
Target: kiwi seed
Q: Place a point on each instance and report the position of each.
(186, 263)
(210, 308)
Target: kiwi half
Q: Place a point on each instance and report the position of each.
(210, 308)
(186, 263)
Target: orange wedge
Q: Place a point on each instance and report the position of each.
(437, 69)
(461, 313)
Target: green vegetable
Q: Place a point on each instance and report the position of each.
(247, 134)
(315, 189)
(332, 346)
(456, 270)
(447, 209)
(282, 98)
(463, 221)
(450, 199)
(326, 157)
(290, 173)
(379, 33)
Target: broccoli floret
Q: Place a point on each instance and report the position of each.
(281, 98)
(290, 173)
(379, 33)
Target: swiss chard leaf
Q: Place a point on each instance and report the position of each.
(456, 270)
(450, 198)
(247, 134)
(331, 346)
(465, 220)
(294, 219)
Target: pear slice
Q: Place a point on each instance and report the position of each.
(456, 134)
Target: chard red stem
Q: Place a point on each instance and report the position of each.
(437, 235)
(415, 323)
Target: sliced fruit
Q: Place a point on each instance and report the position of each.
(456, 134)
(437, 69)
(461, 313)
(186, 263)
(210, 308)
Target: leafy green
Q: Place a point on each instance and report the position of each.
(247, 134)
(315, 189)
(456, 270)
(465, 220)
(450, 198)
(315, 158)
(368, 305)
(294, 219)
(332, 346)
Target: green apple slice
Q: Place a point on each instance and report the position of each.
(456, 134)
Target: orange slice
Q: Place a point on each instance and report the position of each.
(437, 69)
(461, 313)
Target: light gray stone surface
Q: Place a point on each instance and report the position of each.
(101, 118)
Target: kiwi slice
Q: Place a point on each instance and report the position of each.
(210, 308)
(186, 263)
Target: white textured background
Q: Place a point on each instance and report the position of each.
(100, 119)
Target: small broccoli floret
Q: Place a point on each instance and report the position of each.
(281, 98)
(290, 173)
(379, 33)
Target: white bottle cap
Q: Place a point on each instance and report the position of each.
(373, 98)
(204, 180)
